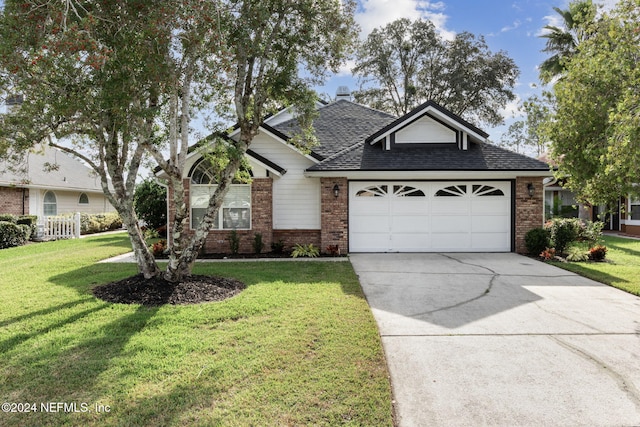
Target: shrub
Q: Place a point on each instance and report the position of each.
(159, 247)
(234, 242)
(258, 245)
(11, 235)
(563, 231)
(277, 247)
(31, 221)
(308, 251)
(548, 253)
(26, 231)
(8, 218)
(598, 253)
(96, 223)
(577, 254)
(536, 240)
(150, 203)
(333, 250)
(591, 232)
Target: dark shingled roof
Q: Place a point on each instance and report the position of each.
(339, 125)
(425, 157)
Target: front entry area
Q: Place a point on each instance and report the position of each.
(417, 216)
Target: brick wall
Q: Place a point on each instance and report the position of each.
(334, 214)
(292, 237)
(261, 222)
(529, 210)
(11, 201)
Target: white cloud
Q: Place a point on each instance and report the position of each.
(511, 27)
(377, 13)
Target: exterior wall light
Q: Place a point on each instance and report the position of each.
(336, 191)
(531, 189)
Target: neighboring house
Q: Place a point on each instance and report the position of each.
(50, 183)
(425, 182)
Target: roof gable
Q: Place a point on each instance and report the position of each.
(436, 114)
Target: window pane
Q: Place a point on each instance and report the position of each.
(635, 211)
(236, 218)
(236, 207)
(84, 199)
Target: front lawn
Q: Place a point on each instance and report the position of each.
(622, 269)
(299, 346)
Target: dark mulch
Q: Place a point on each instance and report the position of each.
(153, 292)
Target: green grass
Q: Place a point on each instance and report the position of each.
(622, 269)
(298, 347)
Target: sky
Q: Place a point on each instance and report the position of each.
(513, 26)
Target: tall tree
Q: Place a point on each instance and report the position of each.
(562, 42)
(266, 44)
(123, 78)
(526, 135)
(406, 63)
(596, 126)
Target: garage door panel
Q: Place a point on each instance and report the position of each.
(493, 206)
(372, 224)
(490, 241)
(490, 224)
(370, 242)
(453, 242)
(450, 205)
(450, 223)
(409, 224)
(405, 242)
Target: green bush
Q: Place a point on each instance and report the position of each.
(563, 231)
(577, 254)
(31, 221)
(258, 245)
(308, 251)
(277, 247)
(11, 235)
(96, 223)
(234, 242)
(537, 240)
(150, 203)
(8, 218)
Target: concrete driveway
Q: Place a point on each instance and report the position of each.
(501, 339)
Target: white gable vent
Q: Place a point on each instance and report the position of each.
(343, 92)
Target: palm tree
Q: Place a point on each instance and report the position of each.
(563, 42)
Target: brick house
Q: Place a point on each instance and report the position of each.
(425, 182)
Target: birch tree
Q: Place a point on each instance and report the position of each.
(123, 79)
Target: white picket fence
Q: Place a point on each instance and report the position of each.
(61, 227)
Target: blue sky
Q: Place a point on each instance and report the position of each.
(513, 26)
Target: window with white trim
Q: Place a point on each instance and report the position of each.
(634, 209)
(50, 204)
(84, 199)
(235, 212)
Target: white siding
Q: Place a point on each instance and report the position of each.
(296, 199)
(425, 130)
(67, 202)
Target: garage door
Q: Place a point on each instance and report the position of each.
(430, 216)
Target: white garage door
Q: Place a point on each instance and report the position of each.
(430, 216)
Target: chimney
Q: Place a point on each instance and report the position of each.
(343, 92)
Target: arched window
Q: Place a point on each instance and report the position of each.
(84, 199)
(236, 206)
(50, 204)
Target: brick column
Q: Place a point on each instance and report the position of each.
(529, 210)
(334, 214)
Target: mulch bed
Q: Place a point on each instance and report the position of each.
(157, 291)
